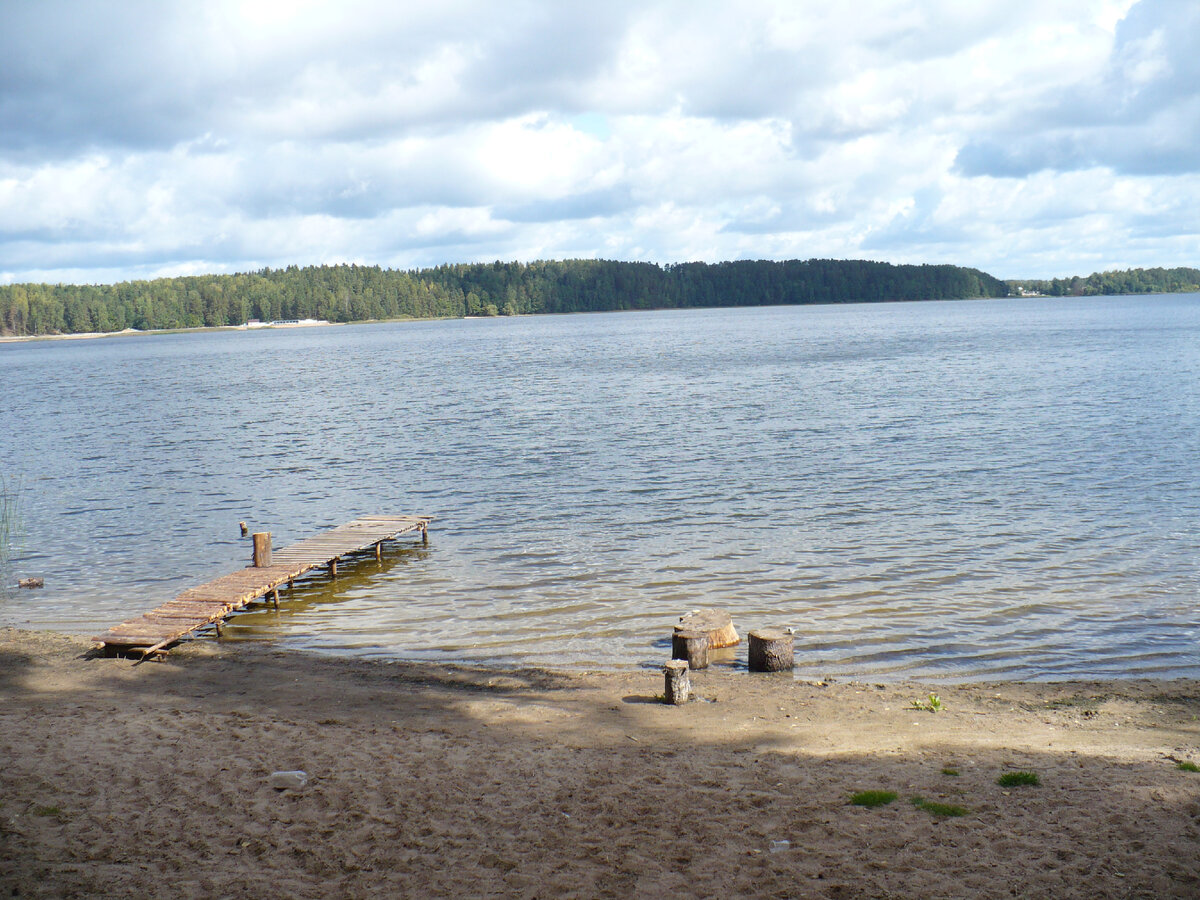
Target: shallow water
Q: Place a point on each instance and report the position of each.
(984, 489)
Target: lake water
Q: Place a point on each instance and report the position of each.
(974, 490)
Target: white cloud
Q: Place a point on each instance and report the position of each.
(1026, 138)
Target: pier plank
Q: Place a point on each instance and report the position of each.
(200, 606)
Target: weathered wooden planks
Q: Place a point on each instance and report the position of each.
(211, 602)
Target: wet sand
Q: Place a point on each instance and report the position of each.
(153, 780)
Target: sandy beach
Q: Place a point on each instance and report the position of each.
(153, 781)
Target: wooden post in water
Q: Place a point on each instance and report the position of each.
(275, 597)
(692, 645)
(333, 568)
(770, 650)
(716, 623)
(379, 551)
(262, 549)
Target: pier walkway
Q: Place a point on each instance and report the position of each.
(210, 603)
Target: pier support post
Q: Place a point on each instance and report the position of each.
(275, 597)
(691, 645)
(424, 536)
(262, 549)
(333, 568)
(677, 684)
(770, 650)
(379, 551)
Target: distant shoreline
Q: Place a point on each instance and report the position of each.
(137, 332)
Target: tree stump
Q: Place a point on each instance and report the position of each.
(770, 650)
(716, 623)
(678, 684)
(691, 645)
(262, 549)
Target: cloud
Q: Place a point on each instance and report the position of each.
(1138, 115)
(152, 137)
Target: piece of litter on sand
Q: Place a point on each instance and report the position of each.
(294, 779)
(780, 846)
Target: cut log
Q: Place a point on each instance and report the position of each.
(770, 650)
(678, 686)
(691, 645)
(262, 549)
(716, 623)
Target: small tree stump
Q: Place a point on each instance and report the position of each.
(716, 623)
(770, 650)
(262, 549)
(678, 684)
(691, 645)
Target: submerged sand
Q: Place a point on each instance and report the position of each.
(152, 781)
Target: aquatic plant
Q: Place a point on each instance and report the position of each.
(1184, 766)
(9, 519)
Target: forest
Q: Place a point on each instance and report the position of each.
(353, 293)
(1130, 281)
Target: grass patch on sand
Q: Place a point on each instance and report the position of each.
(871, 799)
(1016, 779)
(1184, 766)
(952, 772)
(49, 811)
(939, 809)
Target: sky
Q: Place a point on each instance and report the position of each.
(1027, 138)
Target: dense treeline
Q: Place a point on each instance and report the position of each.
(349, 293)
(1131, 281)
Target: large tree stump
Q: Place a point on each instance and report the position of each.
(770, 650)
(262, 549)
(716, 623)
(691, 645)
(678, 686)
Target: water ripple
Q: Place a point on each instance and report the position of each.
(974, 490)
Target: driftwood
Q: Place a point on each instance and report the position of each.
(678, 686)
(716, 623)
(691, 645)
(770, 650)
(31, 582)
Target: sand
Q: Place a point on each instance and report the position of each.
(153, 781)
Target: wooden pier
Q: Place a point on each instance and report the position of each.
(210, 603)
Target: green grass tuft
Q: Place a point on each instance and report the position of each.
(939, 809)
(53, 811)
(953, 773)
(871, 799)
(1013, 779)
(1185, 766)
